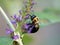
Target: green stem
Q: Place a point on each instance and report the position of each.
(11, 26)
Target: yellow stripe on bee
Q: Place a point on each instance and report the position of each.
(37, 20)
(36, 25)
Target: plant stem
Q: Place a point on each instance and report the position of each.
(7, 19)
(11, 26)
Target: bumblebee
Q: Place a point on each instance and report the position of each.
(33, 26)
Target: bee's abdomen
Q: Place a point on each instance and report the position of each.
(34, 29)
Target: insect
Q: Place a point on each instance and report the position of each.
(35, 23)
(33, 26)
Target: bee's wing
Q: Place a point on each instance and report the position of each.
(44, 22)
(47, 18)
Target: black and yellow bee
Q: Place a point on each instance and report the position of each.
(35, 24)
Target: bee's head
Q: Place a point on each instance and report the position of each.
(34, 19)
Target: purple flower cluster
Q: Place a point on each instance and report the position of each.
(9, 31)
(18, 18)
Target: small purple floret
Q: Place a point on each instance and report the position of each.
(27, 16)
(19, 18)
(9, 31)
(13, 22)
(26, 26)
(15, 37)
(15, 16)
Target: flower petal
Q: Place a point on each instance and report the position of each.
(9, 31)
(13, 21)
(15, 16)
(19, 18)
(27, 16)
(27, 25)
(15, 37)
